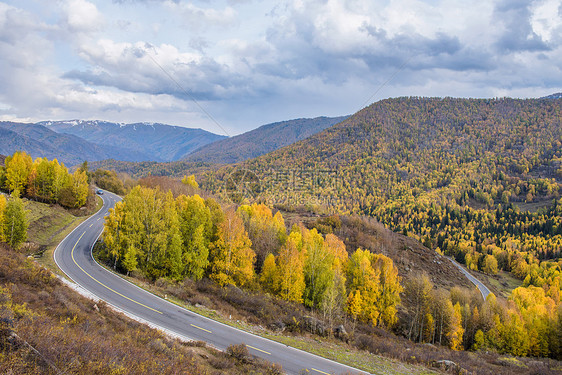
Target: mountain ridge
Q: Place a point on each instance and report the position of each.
(261, 140)
(40, 141)
(159, 141)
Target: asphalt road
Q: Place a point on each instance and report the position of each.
(74, 258)
(481, 287)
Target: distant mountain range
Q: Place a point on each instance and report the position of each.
(39, 141)
(156, 142)
(74, 141)
(558, 95)
(262, 140)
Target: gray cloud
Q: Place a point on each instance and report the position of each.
(144, 68)
(312, 58)
(296, 51)
(518, 34)
(300, 55)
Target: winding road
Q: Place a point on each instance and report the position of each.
(74, 257)
(481, 287)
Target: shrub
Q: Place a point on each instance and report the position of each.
(239, 352)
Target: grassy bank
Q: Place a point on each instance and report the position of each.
(48, 225)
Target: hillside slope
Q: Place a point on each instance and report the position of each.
(557, 95)
(40, 141)
(262, 140)
(158, 142)
(407, 147)
(47, 328)
(471, 177)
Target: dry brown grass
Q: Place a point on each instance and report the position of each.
(46, 328)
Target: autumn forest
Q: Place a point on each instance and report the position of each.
(477, 180)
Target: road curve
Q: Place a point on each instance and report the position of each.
(481, 287)
(74, 257)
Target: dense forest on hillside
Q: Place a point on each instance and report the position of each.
(179, 237)
(152, 168)
(470, 178)
(475, 179)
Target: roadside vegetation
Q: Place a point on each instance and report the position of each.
(47, 328)
(44, 180)
(476, 179)
(331, 292)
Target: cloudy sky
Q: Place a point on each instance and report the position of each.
(228, 66)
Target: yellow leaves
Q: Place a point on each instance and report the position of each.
(232, 259)
(318, 268)
(279, 222)
(514, 335)
(455, 331)
(2, 217)
(354, 305)
(336, 247)
(520, 267)
(527, 325)
(376, 279)
(18, 169)
(533, 300)
(190, 181)
(80, 187)
(490, 265)
(143, 231)
(266, 231)
(130, 262)
(479, 340)
(269, 274)
(18, 311)
(46, 180)
(290, 268)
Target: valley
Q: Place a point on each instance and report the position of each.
(263, 188)
(364, 252)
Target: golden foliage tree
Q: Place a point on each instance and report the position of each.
(455, 330)
(269, 274)
(377, 281)
(195, 227)
(231, 256)
(490, 265)
(266, 231)
(18, 169)
(290, 268)
(2, 218)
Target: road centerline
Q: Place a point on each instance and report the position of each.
(320, 371)
(102, 284)
(259, 350)
(202, 329)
